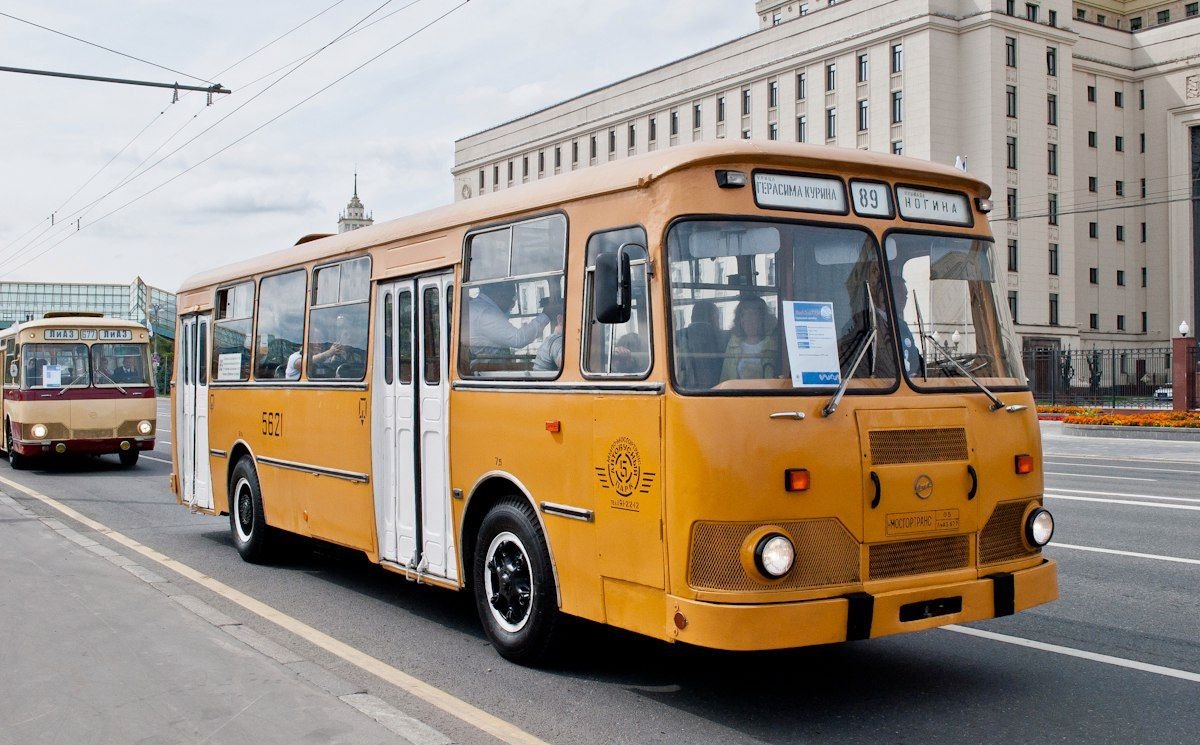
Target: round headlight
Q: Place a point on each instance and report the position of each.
(39, 431)
(144, 427)
(774, 555)
(1039, 527)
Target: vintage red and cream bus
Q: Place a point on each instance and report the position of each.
(77, 384)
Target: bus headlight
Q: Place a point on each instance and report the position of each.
(145, 427)
(774, 555)
(1039, 527)
(38, 431)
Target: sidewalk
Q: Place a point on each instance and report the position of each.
(95, 648)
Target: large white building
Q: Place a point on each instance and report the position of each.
(1083, 116)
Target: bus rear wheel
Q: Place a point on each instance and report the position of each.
(514, 584)
(15, 459)
(129, 458)
(252, 537)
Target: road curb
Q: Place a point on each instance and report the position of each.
(1184, 434)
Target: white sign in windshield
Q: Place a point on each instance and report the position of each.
(806, 193)
(812, 344)
(924, 205)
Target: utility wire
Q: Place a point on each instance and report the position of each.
(251, 132)
(67, 201)
(82, 211)
(107, 49)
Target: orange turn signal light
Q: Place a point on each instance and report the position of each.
(1023, 463)
(796, 479)
(554, 425)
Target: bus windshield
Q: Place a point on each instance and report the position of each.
(758, 305)
(119, 364)
(953, 309)
(55, 365)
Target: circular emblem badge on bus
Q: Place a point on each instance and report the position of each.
(923, 487)
(624, 466)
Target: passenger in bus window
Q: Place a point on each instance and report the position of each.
(910, 350)
(491, 334)
(753, 350)
(103, 370)
(293, 366)
(126, 372)
(339, 351)
(549, 355)
(630, 354)
(705, 342)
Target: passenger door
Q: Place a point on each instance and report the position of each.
(411, 487)
(191, 441)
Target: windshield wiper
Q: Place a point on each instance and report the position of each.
(997, 404)
(118, 385)
(921, 331)
(67, 387)
(868, 342)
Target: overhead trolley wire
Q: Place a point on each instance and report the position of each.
(107, 49)
(258, 128)
(67, 201)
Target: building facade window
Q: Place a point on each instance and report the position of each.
(1121, 233)
(1093, 230)
(1092, 184)
(612, 141)
(1144, 324)
(897, 107)
(1135, 23)
(801, 129)
(1091, 94)
(746, 102)
(898, 147)
(1012, 204)
(1053, 256)
(1031, 12)
(593, 150)
(525, 166)
(745, 134)
(1119, 144)
(830, 123)
(1120, 323)
(1054, 309)
(542, 162)
(830, 77)
(720, 110)
(1164, 16)
(1119, 99)
(897, 58)
(1120, 187)
(1052, 109)
(574, 153)
(697, 113)
(1010, 51)
(1191, 9)
(863, 116)
(1143, 232)
(1012, 305)
(1052, 159)
(1094, 321)
(773, 94)
(1142, 142)
(1052, 61)
(773, 131)
(652, 133)
(1010, 101)
(1144, 277)
(801, 86)
(1011, 151)
(1012, 256)
(1120, 278)
(1091, 138)
(674, 123)
(862, 67)
(1093, 275)
(1052, 209)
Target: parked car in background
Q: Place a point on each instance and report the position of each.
(1163, 394)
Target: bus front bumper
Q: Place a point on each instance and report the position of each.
(860, 615)
(37, 448)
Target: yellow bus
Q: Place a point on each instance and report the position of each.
(76, 383)
(743, 396)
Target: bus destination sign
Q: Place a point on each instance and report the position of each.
(805, 193)
(923, 205)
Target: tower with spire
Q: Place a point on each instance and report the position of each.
(355, 215)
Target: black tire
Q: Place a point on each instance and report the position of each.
(15, 459)
(513, 583)
(129, 458)
(248, 527)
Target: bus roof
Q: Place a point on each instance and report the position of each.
(627, 173)
(81, 322)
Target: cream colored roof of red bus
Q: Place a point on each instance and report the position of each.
(74, 322)
(627, 173)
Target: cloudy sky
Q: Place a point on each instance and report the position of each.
(111, 159)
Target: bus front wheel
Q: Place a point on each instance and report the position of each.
(129, 458)
(15, 459)
(251, 534)
(514, 584)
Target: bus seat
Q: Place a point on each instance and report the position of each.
(702, 353)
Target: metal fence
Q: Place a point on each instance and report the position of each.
(1107, 378)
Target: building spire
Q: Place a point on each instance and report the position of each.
(356, 182)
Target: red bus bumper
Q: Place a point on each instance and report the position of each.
(105, 446)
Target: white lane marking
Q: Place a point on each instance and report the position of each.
(1119, 468)
(452, 705)
(1096, 476)
(1124, 494)
(163, 429)
(164, 442)
(159, 460)
(1134, 554)
(1140, 458)
(1127, 501)
(1072, 652)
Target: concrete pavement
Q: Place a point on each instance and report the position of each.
(95, 648)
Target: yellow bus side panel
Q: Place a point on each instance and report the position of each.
(326, 430)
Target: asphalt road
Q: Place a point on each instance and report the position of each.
(1116, 659)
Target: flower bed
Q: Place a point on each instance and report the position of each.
(1053, 409)
(1189, 419)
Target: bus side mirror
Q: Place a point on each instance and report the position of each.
(612, 285)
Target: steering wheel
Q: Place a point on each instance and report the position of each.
(970, 361)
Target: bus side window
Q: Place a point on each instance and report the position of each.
(338, 321)
(431, 332)
(621, 349)
(404, 316)
(232, 324)
(280, 335)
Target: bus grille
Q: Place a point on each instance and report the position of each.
(903, 558)
(890, 446)
(1002, 537)
(826, 554)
